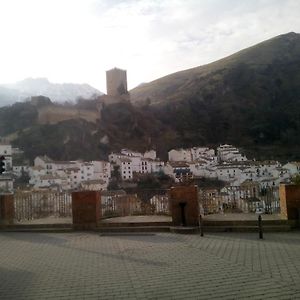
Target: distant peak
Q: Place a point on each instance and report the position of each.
(290, 35)
(38, 80)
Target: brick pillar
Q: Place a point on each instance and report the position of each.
(289, 201)
(7, 209)
(86, 209)
(185, 205)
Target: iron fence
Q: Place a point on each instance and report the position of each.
(35, 205)
(242, 199)
(146, 202)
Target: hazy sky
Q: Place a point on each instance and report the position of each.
(78, 40)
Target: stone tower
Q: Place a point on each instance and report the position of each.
(116, 82)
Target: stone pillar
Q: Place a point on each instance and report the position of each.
(289, 201)
(185, 205)
(86, 209)
(7, 209)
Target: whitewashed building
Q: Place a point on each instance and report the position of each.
(293, 167)
(229, 153)
(6, 151)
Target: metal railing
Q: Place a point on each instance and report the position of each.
(35, 205)
(147, 202)
(243, 199)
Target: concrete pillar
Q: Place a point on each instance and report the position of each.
(185, 205)
(86, 209)
(7, 209)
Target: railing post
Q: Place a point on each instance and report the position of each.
(201, 225)
(260, 229)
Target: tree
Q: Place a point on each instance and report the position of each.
(296, 179)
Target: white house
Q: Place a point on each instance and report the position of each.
(19, 170)
(102, 170)
(45, 162)
(229, 153)
(180, 155)
(6, 151)
(293, 167)
(201, 152)
(150, 154)
(125, 168)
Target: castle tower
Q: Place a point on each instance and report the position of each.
(116, 82)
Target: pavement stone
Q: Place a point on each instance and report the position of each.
(160, 266)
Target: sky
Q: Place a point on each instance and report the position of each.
(78, 40)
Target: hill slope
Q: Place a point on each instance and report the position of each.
(251, 99)
(276, 53)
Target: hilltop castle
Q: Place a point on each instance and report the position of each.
(116, 82)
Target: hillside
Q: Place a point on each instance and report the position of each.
(265, 59)
(251, 99)
(88, 130)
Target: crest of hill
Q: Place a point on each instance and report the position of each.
(283, 49)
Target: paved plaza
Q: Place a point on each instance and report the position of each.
(155, 218)
(149, 266)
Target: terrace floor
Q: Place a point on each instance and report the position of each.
(149, 266)
(156, 218)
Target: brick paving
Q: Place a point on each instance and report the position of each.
(155, 218)
(149, 266)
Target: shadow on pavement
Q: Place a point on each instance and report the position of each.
(36, 238)
(20, 282)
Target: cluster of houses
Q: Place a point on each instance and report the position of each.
(69, 175)
(227, 163)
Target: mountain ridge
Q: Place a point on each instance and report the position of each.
(57, 92)
(157, 90)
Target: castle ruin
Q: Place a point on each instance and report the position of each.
(116, 82)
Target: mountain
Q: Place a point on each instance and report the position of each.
(250, 99)
(271, 55)
(10, 93)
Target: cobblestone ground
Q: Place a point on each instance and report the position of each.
(149, 266)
